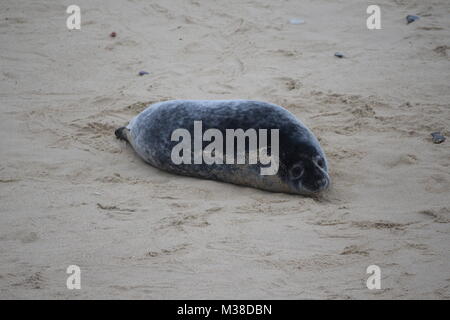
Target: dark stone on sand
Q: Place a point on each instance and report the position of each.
(437, 137)
(411, 18)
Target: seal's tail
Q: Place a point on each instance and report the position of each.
(121, 133)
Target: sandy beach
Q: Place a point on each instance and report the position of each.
(72, 194)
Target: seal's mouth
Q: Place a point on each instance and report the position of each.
(316, 188)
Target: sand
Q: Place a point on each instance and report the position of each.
(73, 194)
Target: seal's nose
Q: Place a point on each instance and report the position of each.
(321, 184)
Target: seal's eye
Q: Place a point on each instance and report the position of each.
(297, 172)
(321, 163)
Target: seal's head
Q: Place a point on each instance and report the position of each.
(307, 173)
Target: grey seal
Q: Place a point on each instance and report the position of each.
(302, 165)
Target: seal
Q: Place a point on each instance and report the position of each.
(302, 167)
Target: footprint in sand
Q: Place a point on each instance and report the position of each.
(439, 215)
(115, 212)
(401, 160)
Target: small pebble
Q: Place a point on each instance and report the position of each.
(141, 73)
(113, 34)
(437, 137)
(339, 55)
(296, 21)
(411, 18)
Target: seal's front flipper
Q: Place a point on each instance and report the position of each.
(122, 133)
